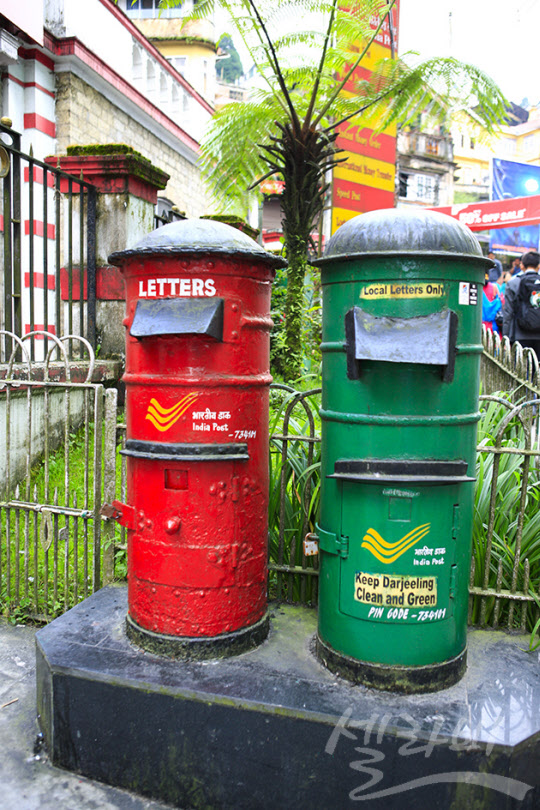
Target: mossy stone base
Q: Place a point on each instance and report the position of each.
(408, 680)
(199, 649)
(274, 728)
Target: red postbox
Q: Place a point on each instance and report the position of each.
(197, 377)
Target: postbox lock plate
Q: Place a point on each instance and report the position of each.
(123, 514)
(178, 316)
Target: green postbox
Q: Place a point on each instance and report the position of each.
(402, 307)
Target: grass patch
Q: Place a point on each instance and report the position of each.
(47, 555)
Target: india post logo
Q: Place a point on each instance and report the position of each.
(164, 418)
(387, 552)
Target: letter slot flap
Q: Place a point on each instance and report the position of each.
(428, 339)
(178, 316)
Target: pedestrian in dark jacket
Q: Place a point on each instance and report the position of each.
(511, 328)
(495, 272)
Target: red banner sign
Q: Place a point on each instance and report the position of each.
(481, 216)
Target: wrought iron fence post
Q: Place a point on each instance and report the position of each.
(91, 264)
(109, 483)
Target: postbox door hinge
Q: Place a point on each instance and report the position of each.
(343, 546)
(455, 522)
(453, 574)
(333, 543)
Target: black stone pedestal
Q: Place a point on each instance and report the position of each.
(273, 728)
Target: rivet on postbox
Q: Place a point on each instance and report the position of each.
(172, 525)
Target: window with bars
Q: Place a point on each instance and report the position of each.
(419, 188)
(427, 188)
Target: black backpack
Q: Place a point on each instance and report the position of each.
(528, 310)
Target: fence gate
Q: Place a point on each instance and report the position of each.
(59, 465)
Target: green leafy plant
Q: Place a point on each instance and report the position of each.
(515, 512)
(310, 358)
(294, 489)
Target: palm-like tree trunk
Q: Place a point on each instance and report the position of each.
(302, 156)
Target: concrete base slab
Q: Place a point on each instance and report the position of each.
(28, 781)
(273, 728)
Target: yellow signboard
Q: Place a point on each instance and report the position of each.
(367, 170)
(401, 289)
(342, 215)
(366, 181)
(374, 54)
(389, 590)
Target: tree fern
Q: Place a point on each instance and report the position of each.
(288, 126)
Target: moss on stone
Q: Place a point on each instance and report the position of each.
(76, 150)
(186, 40)
(234, 222)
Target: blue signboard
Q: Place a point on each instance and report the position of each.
(511, 179)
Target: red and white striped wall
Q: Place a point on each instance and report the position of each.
(29, 100)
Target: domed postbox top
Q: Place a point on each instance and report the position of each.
(197, 237)
(402, 231)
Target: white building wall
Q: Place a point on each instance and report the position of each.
(93, 24)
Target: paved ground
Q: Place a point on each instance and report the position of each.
(28, 781)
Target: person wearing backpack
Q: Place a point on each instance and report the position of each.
(521, 312)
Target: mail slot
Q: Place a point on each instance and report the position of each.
(197, 376)
(401, 356)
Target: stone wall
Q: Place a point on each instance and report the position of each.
(85, 116)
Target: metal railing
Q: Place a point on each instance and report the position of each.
(55, 549)
(505, 574)
(166, 217)
(504, 582)
(508, 367)
(59, 465)
(48, 250)
(294, 493)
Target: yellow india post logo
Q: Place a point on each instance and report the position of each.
(164, 418)
(389, 552)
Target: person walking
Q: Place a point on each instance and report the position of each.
(491, 304)
(521, 311)
(495, 272)
(516, 267)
